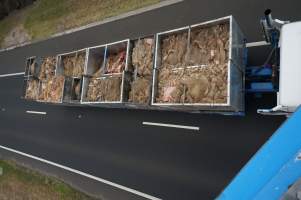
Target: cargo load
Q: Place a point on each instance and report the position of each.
(51, 89)
(32, 89)
(106, 79)
(200, 67)
(40, 82)
(71, 66)
(197, 68)
(142, 62)
(47, 69)
(31, 67)
(104, 89)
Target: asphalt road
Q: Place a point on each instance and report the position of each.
(113, 144)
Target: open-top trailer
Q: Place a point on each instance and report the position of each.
(198, 68)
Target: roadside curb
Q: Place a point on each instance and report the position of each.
(105, 21)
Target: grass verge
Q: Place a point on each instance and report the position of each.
(45, 18)
(17, 182)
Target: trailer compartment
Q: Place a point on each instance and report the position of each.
(200, 67)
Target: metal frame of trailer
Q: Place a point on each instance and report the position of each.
(235, 85)
(236, 66)
(28, 77)
(69, 81)
(114, 46)
(134, 105)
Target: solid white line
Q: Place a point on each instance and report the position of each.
(257, 44)
(13, 74)
(36, 112)
(171, 125)
(82, 173)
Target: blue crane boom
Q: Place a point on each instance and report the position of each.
(273, 169)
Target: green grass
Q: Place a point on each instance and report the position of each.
(45, 18)
(17, 182)
(11, 21)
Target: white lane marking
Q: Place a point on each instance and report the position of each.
(257, 44)
(13, 74)
(171, 125)
(82, 173)
(35, 112)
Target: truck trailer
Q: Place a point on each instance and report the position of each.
(197, 68)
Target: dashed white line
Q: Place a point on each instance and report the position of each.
(257, 44)
(82, 173)
(12, 74)
(171, 125)
(36, 112)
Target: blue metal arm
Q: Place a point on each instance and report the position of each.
(275, 167)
